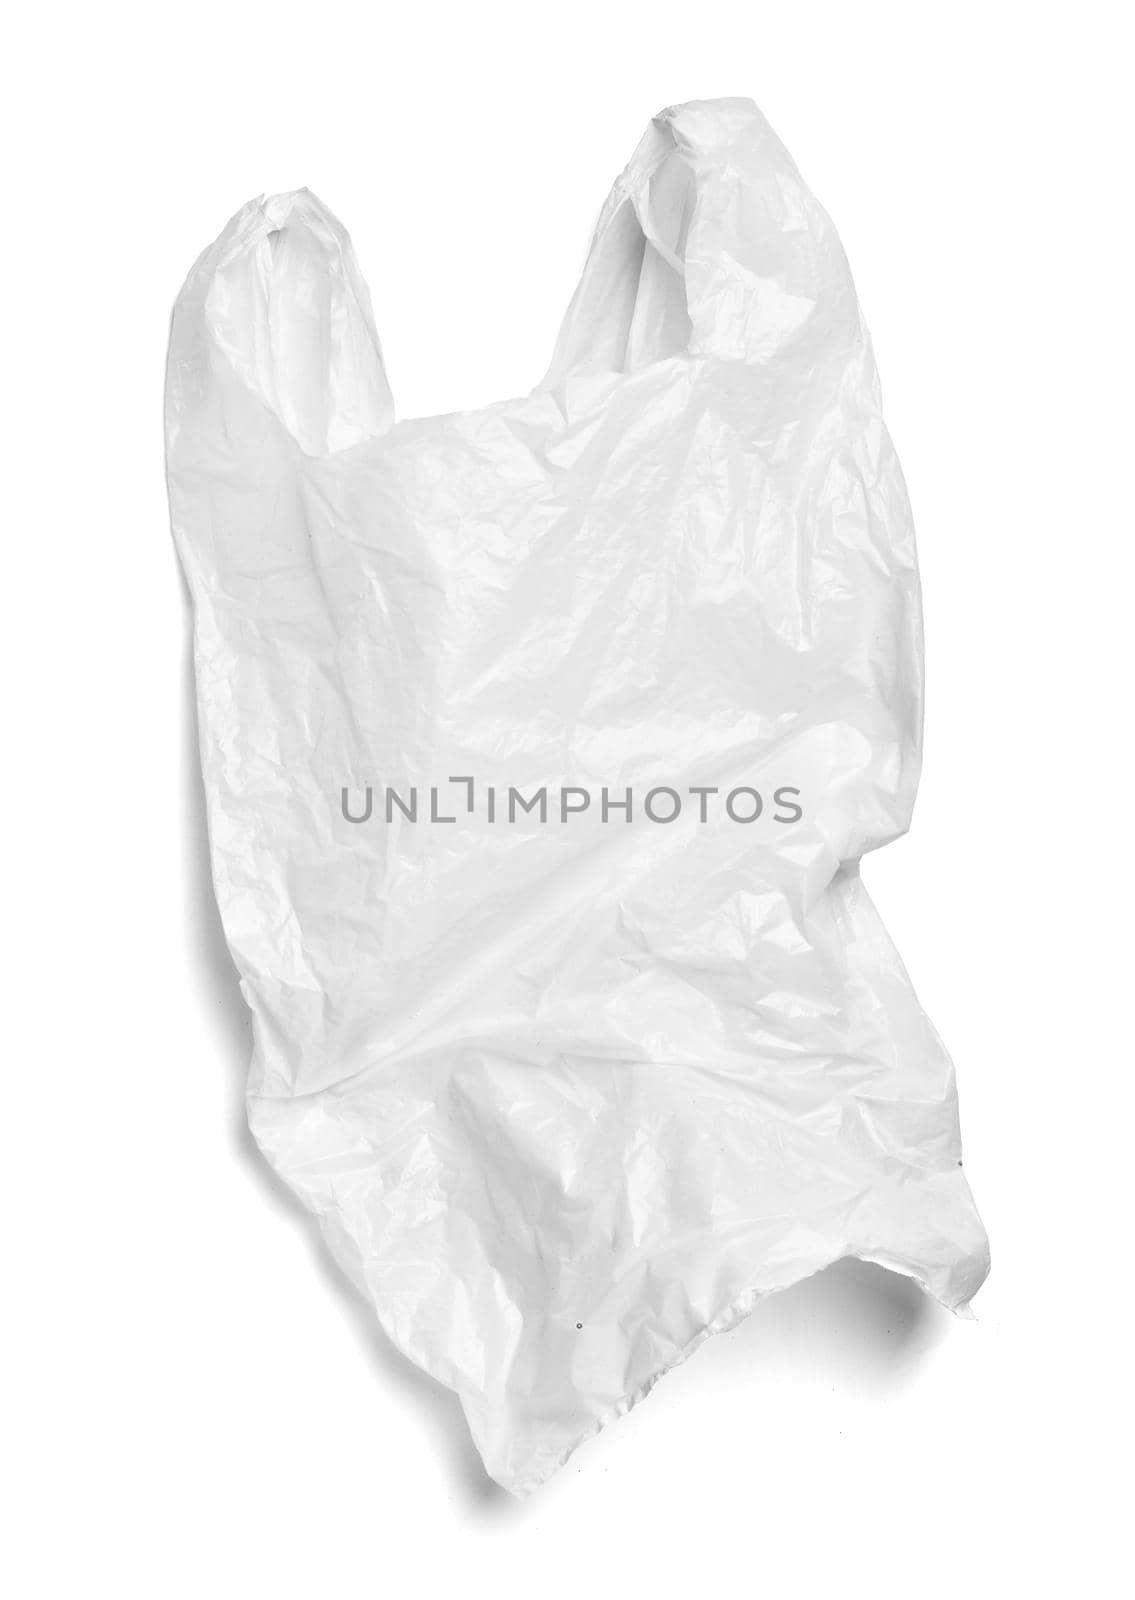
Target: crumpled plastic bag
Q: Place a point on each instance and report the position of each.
(540, 744)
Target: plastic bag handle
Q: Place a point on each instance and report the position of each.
(709, 245)
(281, 298)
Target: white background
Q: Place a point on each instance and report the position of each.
(197, 1407)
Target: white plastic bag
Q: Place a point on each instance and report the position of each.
(541, 743)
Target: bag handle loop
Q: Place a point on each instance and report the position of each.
(709, 245)
(288, 307)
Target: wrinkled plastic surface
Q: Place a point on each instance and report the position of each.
(568, 1094)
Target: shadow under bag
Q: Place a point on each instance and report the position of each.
(540, 744)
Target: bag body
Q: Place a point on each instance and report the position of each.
(541, 743)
